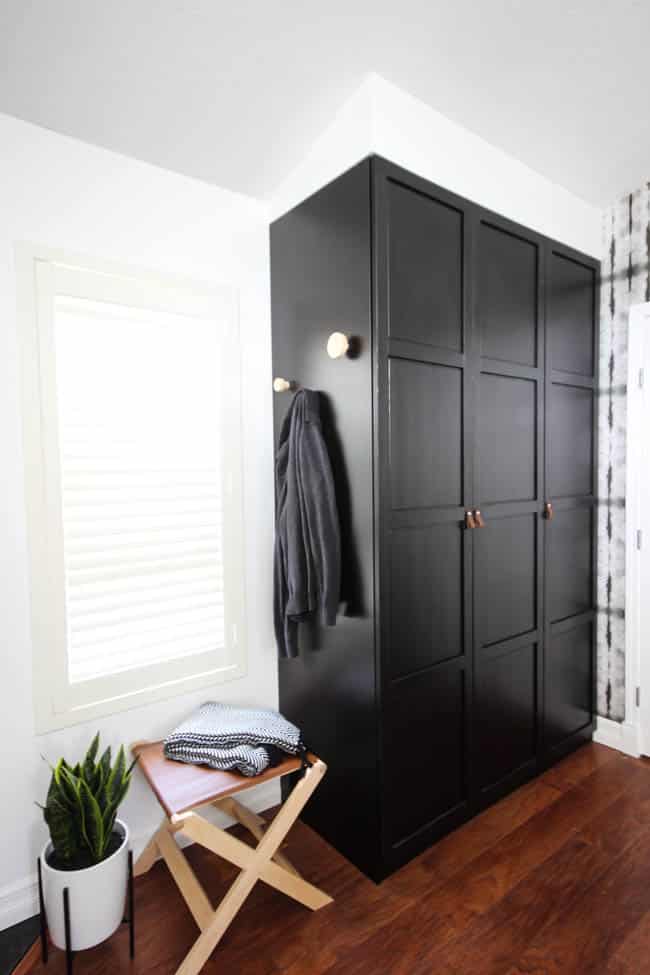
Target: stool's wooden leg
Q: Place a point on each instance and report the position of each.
(260, 858)
(151, 852)
(195, 897)
(235, 851)
(147, 858)
(255, 825)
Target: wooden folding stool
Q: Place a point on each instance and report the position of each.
(181, 789)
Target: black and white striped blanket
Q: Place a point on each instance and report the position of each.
(227, 738)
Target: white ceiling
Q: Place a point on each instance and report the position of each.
(235, 93)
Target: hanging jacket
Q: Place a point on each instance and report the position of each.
(307, 568)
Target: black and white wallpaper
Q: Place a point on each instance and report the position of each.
(625, 282)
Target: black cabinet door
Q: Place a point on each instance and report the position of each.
(507, 372)
(422, 303)
(570, 488)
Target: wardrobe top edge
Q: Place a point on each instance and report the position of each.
(365, 161)
(424, 185)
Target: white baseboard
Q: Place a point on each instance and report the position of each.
(19, 900)
(621, 735)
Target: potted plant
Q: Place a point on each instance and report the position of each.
(88, 847)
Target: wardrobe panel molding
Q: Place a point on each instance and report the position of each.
(507, 296)
(425, 269)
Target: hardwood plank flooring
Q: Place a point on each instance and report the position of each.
(553, 880)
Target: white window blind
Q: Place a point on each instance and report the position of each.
(140, 447)
(137, 544)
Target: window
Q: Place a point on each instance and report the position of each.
(133, 468)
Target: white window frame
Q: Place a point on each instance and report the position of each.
(43, 274)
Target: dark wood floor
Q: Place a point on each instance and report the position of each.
(553, 879)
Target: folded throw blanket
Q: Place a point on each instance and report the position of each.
(227, 738)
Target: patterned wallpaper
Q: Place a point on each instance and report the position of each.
(625, 281)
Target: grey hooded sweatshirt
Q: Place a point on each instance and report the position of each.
(307, 569)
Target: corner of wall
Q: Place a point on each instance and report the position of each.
(346, 141)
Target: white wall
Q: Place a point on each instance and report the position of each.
(381, 118)
(346, 141)
(61, 193)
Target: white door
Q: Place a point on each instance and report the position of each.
(637, 533)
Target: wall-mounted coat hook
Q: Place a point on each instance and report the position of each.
(338, 345)
(281, 385)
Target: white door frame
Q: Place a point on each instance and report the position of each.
(637, 519)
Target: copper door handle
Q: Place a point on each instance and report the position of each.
(478, 517)
(548, 511)
(469, 520)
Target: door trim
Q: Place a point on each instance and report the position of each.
(621, 735)
(637, 672)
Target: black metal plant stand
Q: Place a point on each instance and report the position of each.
(69, 953)
(41, 914)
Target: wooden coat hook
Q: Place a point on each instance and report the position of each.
(338, 345)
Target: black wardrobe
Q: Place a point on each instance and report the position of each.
(461, 428)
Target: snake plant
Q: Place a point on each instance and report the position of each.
(81, 806)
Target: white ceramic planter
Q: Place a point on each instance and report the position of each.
(97, 896)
